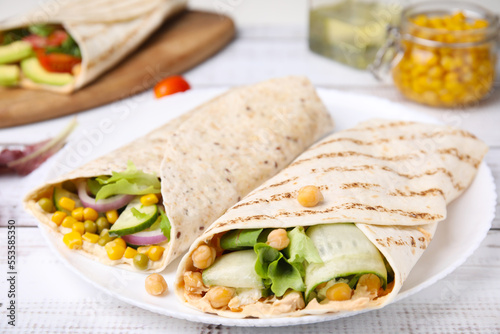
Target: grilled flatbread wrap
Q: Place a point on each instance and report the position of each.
(391, 180)
(105, 32)
(208, 159)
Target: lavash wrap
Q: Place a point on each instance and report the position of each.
(106, 31)
(392, 178)
(211, 157)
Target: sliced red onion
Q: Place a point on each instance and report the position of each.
(102, 205)
(145, 238)
(26, 158)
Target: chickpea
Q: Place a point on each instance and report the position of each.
(219, 296)
(371, 281)
(155, 284)
(309, 196)
(278, 239)
(193, 282)
(203, 256)
(339, 292)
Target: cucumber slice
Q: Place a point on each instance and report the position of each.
(345, 251)
(234, 270)
(127, 223)
(59, 193)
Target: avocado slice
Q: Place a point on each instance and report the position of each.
(15, 52)
(9, 75)
(33, 70)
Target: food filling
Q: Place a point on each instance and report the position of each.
(119, 216)
(43, 53)
(290, 269)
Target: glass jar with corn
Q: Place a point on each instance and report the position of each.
(445, 53)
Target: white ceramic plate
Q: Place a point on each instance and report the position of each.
(469, 217)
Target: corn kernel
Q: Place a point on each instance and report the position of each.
(420, 20)
(480, 24)
(58, 217)
(130, 253)
(149, 199)
(121, 242)
(143, 249)
(73, 240)
(67, 203)
(451, 77)
(447, 98)
(90, 214)
(77, 213)
(90, 237)
(78, 227)
(68, 222)
(112, 216)
(435, 72)
(115, 251)
(155, 253)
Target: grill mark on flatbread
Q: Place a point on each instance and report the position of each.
(359, 168)
(426, 234)
(274, 198)
(462, 157)
(382, 126)
(397, 192)
(354, 153)
(359, 185)
(390, 241)
(402, 138)
(361, 206)
(432, 191)
(451, 151)
(345, 206)
(281, 183)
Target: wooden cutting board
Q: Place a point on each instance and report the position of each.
(178, 45)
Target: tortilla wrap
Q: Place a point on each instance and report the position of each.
(105, 32)
(392, 178)
(211, 157)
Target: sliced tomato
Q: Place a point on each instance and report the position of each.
(57, 38)
(57, 62)
(37, 42)
(171, 85)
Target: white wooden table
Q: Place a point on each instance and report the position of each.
(51, 299)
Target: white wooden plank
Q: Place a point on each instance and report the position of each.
(52, 299)
(252, 60)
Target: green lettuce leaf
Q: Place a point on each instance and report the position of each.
(285, 276)
(301, 248)
(68, 47)
(265, 256)
(43, 30)
(240, 239)
(131, 182)
(94, 186)
(165, 224)
(275, 270)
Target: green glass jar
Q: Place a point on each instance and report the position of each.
(351, 31)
